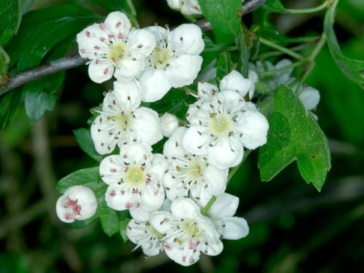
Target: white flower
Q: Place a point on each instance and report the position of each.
(236, 82)
(174, 62)
(114, 48)
(186, 232)
(189, 173)
(134, 178)
(77, 203)
(122, 121)
(145, 236)
(222, 213)
(169, 123)
(221, 125)
(186, 7)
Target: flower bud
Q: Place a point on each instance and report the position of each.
(77, 203)
(169, 123)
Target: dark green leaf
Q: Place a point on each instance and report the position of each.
(87, 177)
(10, 16)
(109, 219)
(224, 65)
(223, 16)
(83, 137)
(353, 69)
(294, 135)
(274, 6)
(42, 29)
(123, 226)
(9, 104)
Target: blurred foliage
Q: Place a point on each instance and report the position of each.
(293, 228)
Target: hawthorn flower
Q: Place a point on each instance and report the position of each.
(222, 124)
(309, 96)
(186, 232)
(134, 178)
(222, 213)
(77, 203)
(115, 48)
(174, 62)
(186, 7)
(122, 121)
(144, 235)
(188, 173)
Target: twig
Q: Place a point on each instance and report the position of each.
(41, 71)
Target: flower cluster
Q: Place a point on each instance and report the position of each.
(176, 198)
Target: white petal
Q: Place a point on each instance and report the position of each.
(117, 22)
(227, 153)
(152, 199)
(196, 140)
(127, 93)
(162, 221)
(174, 187)
(100, 129)
(111, 169)
(62, 213)
(185, 257)
(90, 38)
(136, 153)
(169, 123)
(183, 70)
(100, 71)
(139, 214)
(117, 199)
(129, 67)
(206, 90)
(185, 208)
(225, 205)
(161, 34)
(187, 39)
(141, 42)
(173, 146)
(146, 125)
(310, 97)
(154, 85)
(159, 165)
(236, 82)
(235, 228)
(254, 127)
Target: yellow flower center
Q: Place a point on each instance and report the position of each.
(116, 52)
(220, 124)
(160, 57)
(135, 176)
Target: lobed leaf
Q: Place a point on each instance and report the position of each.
(294, 135)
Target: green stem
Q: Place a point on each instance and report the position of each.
(311, 59)
(205, 210)
(310, 10)
(280, 48)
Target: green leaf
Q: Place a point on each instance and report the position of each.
(123, 226)
(39, 95)
(224, 65)
(9, 104)
(223, 16)
(351, 68)
(83, 137)
(89, 177)
(274, 6)
(42, 29)
(109, 219)
(294, 135)
(10, 17)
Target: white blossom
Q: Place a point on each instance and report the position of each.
(188, 173)
(222, 213)
(186, 7)
(77, 203)
(186, 232)
(174, 62)
(309, 96)
(144, 235)
(169, 123)
(115, 48)
(222, 124)
(122, 121)
(134, 178)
